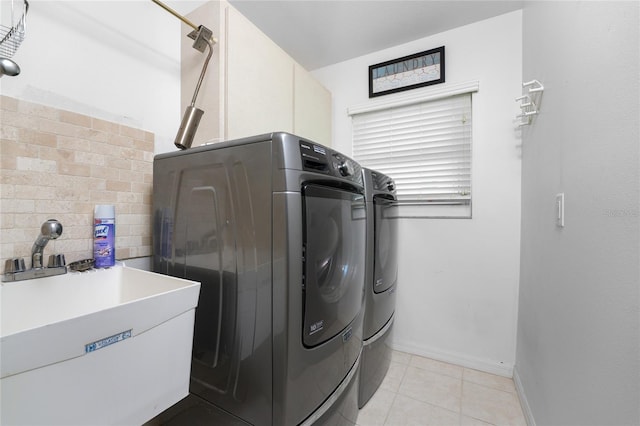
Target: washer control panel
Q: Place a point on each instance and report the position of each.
(320, 159)
(344, 166)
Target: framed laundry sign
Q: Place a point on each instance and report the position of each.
(409, 72)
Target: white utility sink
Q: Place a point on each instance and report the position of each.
(102, 347)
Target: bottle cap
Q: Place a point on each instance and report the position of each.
(105, 210)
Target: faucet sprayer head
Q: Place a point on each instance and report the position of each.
(50, 230)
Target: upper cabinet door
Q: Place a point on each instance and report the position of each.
(252, 86)
(259, 81)
(312, 108)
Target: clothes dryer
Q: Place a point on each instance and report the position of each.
(380, 281)
(273, 226)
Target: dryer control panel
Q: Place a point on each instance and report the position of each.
(320, 159)
(382, 183)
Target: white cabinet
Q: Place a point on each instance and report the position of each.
(252, 86)
(312, 108)
(259, 78)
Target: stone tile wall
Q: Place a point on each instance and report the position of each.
(60, 164)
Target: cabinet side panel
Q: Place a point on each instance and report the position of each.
(259, 80)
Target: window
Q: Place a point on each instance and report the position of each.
(423, 142)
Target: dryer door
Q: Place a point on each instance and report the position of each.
(334, 242)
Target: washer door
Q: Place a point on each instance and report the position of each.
(334, 242)
(385, 242)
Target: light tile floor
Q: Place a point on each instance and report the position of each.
(422, 391)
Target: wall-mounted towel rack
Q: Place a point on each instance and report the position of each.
(529, 102)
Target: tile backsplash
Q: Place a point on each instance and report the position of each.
(56, 164)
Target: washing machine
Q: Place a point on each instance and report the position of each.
(381, 278)
(274, 227)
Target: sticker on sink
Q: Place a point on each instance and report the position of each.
(99, 344)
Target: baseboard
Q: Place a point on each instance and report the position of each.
(524, 403)
(501, 369)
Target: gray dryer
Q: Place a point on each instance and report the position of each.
(380, 281)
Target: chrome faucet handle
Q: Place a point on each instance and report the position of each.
(14, 265)
(56, 261)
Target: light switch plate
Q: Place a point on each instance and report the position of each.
(560, 210)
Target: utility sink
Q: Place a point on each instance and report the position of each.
(106, 346)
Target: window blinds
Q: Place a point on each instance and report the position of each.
(425, 147)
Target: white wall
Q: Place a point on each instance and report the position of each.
(458, 278)
(115, 60)
(578, 352)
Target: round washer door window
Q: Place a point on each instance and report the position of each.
(334, 241)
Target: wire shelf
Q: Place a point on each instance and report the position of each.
(13, 35)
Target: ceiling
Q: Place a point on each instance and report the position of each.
(320, 33)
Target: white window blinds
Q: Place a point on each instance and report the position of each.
(425, 147)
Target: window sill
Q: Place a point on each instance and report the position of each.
(426, 210)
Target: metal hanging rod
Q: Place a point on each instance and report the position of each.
(195, 27)
(202, 39)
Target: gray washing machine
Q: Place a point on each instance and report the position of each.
(273, 226)
(380, 281)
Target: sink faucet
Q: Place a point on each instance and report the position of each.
(15, 269)
(50, 230)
